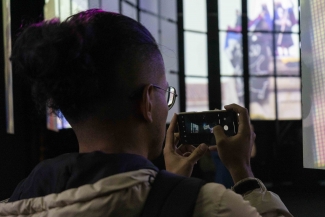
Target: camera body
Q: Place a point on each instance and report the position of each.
(197, 127)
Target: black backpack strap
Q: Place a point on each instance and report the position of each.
(172, 195)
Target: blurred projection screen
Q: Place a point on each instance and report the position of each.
(7, 67)
(313, 82)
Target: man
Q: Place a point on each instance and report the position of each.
(105, 73)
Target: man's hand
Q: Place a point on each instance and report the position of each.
(235, 151)
(180, 160)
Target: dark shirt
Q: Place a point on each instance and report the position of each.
(73, 170)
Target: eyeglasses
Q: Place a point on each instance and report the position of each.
(170, 95)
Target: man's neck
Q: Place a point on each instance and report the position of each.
(121, 137)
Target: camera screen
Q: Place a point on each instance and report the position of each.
(200, 127)
(195, 128)
(201, 124)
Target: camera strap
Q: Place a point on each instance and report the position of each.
(172, 195)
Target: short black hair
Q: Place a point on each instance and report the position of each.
(73, 65)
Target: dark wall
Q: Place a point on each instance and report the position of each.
(279, 159)
(19, 152)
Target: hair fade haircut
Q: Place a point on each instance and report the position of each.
(72, 66)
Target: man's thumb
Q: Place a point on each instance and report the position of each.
(219, 134)
(198, 153)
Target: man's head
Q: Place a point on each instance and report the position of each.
(90, 58)
(90, 66)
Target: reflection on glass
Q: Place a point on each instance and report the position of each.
(195, 54)
(260, 15)
(229, 15)
(262, 100)
(195, 15)
(287, 54)
(232, 90)
(260, 54)
(289, 98)
(197, 94)
(231, 57)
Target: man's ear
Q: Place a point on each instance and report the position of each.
(147, 102)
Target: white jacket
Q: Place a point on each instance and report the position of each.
(124, 195)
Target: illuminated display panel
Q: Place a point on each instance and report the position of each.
(289, 98)
(195, 15)
(229, 15)
(196, 62)
(168, 48)
(273, 55)
(196, 94)
(231, 56)
(7, 67)
(151, 23)
(313, 80)
(129, 10)
(232, 90)
(196, 55)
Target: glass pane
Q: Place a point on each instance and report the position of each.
(134, 2)
(288, 54)
(313, 80)
(230, 15)
(286, 14)
(195, 15)
(195, 54)
(262, 100)
(168, 46)
(289, 98)
(94, 3)
(260, 15)
(62, 123)
(149, 5)
(232, 90)
(111, 5)
(151, 23)
(56, 123)
(79, 5)
(197, 94)
(129, 10)
(260, 53)
(65, 10)
(168, 9)
(231, 55)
